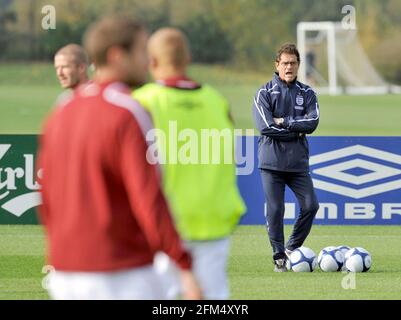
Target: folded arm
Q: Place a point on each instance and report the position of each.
(264, 120)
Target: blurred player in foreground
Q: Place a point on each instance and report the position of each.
(202, 192)
(71, 64)
(103, 210)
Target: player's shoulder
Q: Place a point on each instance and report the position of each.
(305, 88)
(118, 95)
(212, 92)
(267, 87)
(147, 88)
(64, 99)
(146, 95)
(265, 90)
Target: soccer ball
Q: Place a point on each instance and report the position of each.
(344, 250)
(358, 260)
(330, 259)
(302, 259)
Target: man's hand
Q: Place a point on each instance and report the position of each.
(190, 287)
(278, 121)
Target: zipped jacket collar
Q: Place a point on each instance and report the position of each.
(283, 84)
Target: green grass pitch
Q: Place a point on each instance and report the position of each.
(27, 93)
(252, 277)
(250, 267)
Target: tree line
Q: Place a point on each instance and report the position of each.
(243, 33)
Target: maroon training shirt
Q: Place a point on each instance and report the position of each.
(103, 208)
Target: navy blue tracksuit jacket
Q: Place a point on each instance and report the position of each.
(285, 148)
(284, 157)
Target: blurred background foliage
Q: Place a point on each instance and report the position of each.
(237, 33)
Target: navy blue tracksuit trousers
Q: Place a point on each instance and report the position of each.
(300, 183)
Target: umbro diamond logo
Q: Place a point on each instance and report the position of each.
(368, 183)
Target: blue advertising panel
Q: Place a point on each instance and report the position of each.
(357, 181)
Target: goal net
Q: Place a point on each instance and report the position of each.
(334, 62)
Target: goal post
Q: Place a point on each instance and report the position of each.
(329, 29)
(334, 62)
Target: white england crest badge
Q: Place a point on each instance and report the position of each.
(299, 100)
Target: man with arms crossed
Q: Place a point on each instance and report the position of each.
(104, 213)
(204, 197)
(285, 110)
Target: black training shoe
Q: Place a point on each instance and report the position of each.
(280, 265)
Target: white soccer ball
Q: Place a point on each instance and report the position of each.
(344, 249)
(303, 259)
(330, 259)
(358, 260)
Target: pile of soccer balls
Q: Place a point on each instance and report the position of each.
(330, 259)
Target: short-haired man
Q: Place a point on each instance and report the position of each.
(71, 64)
(285, 110)
(203, 194)
(103, 209)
